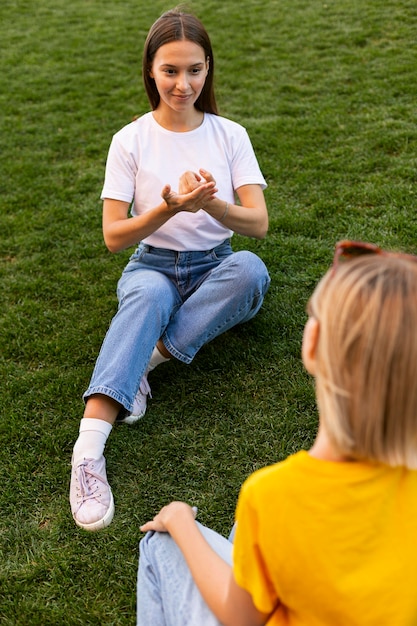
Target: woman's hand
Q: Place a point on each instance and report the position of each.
(249, 218)
(188, 182)
(173, 514)
(193, 193)
(191, 180)
(120, 231)
(213, 576)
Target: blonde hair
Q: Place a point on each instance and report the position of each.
(366, 378)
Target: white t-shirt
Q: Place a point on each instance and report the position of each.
(144, 156)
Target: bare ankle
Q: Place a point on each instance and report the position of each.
(163, 350)
(102, 408)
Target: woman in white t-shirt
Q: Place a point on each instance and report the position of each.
(173, 179)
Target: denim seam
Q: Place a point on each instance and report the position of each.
(106, 391)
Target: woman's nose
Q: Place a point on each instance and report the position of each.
(182, 81)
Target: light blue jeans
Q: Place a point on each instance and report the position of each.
(166, 592)
(185, 298)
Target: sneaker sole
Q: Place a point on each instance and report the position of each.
(101, 523)
(131, 419)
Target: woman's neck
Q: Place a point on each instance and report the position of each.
(324, 449)
(178, 122)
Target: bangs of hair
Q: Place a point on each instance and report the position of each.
(367, 358)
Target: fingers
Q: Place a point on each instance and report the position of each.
(175, 512)
(207, 176)
(166, 192)
(155, 524)
(188, 181)
(193, 176)
(205, 193)
(191, 180)
(189, 200)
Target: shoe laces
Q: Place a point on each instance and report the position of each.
(88, 488)
(144, 387)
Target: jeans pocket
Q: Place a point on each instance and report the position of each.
(138, 254)
(221, 252)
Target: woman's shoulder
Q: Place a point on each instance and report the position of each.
(223, 122)
(138, 123)
(264, 474)
(226, 131)
(129, 137)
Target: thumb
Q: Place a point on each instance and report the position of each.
(166, 192)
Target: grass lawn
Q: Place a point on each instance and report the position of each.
(327, 91)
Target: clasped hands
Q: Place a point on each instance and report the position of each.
(194, 192)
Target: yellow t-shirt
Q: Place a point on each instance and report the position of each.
(329, 544)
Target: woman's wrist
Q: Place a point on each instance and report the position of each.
(226, 211)
(219, 209)
(180, 520)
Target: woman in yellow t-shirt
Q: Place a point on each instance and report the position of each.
(326, 537)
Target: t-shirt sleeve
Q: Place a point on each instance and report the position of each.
(249, 565)
(245, 167)
(121, 167)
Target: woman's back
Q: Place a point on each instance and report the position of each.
(337, 539)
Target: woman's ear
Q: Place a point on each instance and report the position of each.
(309, 345)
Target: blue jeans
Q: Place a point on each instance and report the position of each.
(185, 298)
(166, 592)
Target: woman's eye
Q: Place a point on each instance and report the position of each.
(194, 71)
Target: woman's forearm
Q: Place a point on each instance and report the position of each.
(248, 221)
(210, 572)
(232, 605)
(123, 233)
(120, 231)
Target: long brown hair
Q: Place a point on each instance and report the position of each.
(366, 375)
(177, 25)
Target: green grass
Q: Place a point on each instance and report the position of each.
(327, 92)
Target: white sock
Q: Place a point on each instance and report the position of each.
(156, 359)
(91, 440)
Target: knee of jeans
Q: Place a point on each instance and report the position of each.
(154, 543)
(144, 542)
(146, 548)
(151, 289)
(158, 293)
(253, 269)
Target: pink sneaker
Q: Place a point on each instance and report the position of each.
(139, 403)
(91, 498)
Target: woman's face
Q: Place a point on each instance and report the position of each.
(179, 70)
